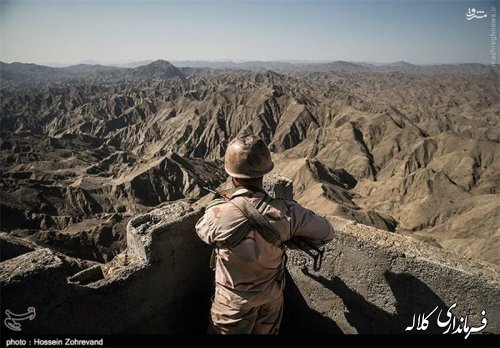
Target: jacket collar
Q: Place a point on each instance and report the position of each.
(243, 190)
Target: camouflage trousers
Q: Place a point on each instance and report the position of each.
(264, 319)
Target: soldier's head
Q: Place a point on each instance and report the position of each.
(247, 160)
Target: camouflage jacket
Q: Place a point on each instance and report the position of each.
(252, 273)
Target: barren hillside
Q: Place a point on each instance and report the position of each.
(408, 150)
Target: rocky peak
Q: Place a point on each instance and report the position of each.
(158, 69)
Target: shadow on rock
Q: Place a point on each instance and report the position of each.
(299, 318)
(412, 297)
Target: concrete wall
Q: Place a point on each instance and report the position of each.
(159, 285)
(372, 281)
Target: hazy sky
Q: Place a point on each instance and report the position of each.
(72, 31)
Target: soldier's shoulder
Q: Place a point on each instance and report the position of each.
(283, 203)
(293, 204)
(215, 202)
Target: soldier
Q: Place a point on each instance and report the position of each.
(247, 230)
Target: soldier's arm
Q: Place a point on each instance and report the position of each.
(203, 228)
(305, 223)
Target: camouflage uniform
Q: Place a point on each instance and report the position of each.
(249, 277)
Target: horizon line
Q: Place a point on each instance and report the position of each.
(234, 61)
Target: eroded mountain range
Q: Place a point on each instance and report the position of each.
(411, 151)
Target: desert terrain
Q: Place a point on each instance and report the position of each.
(409, 149)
